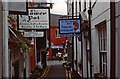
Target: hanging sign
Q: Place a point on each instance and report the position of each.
(18, 7)
(69, 25)
(33, 34)
(37, 18)
(69, 35)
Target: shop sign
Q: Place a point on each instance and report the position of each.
(58, 46)
(69, 35)
(33, 34)
(69, 26)
(37, 18)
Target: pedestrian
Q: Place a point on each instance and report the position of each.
(60, 57)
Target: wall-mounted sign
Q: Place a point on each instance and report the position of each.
(69, 25)
(37, 18)
(33, 34)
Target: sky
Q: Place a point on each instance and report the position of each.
(59, 7)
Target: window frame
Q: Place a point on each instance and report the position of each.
(102, 36)
(57, 33)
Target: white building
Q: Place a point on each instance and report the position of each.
(18, 56)
(14, 61)
(100, 35)
(100, 38)
(1, 47)
(77, 43)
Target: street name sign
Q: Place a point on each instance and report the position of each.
(37, 18)
(33, 34)
(69, 26)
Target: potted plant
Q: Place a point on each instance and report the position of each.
(37, 72)
(98, 75)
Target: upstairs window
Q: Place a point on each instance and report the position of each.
(57, 33)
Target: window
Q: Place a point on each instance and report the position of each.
(103, 38)
(102, 33)
(57, 33)
(103, 63)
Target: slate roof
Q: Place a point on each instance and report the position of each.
(54, 19)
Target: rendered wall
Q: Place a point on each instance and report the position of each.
(1, 40)
(53, 38)
(100, 12)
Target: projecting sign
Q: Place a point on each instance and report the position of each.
(58, 47)
(69, 25)
(69, 35)
(37, 18)
(33, 34)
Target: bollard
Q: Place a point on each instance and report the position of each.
(68, 67)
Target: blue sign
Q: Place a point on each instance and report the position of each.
(58, 46)
(69, 35)
(69, 25)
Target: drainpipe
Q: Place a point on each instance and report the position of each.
(76, 44)
(90, 13)
(27, 62)
(35, 53)
(73, 39)
(113, 38)
(5, 39)
(81, 38)
(1, 40)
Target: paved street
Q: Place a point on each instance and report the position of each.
(54, 62)
(56, 71)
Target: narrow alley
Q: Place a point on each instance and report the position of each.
(59, 39)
